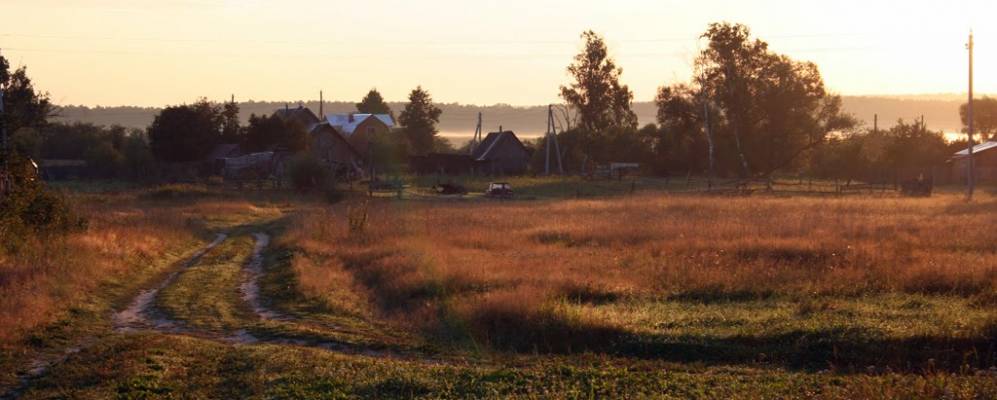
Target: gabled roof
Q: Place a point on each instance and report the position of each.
(483, 151)
(976, 149)
(348, 123)
(318, 128)
(301, 115)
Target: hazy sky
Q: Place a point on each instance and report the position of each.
(110, 52)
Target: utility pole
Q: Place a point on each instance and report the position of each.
(5, 180)
(970, 170)
(709, 141)
(321, 105)
(551, 136)
(875, 123)
(476, 139)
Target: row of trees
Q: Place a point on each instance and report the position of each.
(746, 112)
(188, 132)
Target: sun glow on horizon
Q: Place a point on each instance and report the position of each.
(111, 52)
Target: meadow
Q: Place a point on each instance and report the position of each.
(647, 295)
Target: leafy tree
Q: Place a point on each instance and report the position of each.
(914, 147)
(681, 144)
(984, 117)
(185, 133)
(26, 208)
(307, 172)
(270, 132)
(231, 128)
(767, 110)
(23, 106)
(373, 103)
(601, 101)
(419, 119)
(139, 162)
(389, 151)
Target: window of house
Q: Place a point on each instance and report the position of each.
(370, 130)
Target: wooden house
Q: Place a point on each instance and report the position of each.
(501, 153)
(358, 129)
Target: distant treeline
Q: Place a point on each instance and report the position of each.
(940, 113)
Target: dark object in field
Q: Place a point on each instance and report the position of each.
(918, 187)
(449, 188)
(499, 190)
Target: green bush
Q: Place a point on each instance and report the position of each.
(307, 173)
(28, 210)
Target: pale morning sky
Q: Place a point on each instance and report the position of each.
(110, 52)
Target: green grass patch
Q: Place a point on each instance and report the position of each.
(206, 296)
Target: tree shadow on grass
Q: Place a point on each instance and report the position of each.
(838, 349)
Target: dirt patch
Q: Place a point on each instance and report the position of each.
(138, 315)
(250, 288)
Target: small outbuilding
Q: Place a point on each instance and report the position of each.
(984, 162)
(501, 153)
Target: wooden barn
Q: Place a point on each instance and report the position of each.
(501, 153)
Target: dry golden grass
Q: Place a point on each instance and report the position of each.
(495, 267)
(125, 236)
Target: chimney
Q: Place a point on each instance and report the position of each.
(351, 117)
(500, 129)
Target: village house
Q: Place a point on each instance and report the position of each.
(984, 162)
(359, 128)
(501, 153)
(326, 141)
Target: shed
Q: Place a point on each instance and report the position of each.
(502, 153)
(984, 162)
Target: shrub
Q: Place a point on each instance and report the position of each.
(28, 209)
(307, 172)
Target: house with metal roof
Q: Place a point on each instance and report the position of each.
(359, 128)
(984, 162)
(326, 140)
(502, 153)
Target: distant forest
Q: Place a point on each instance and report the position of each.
(940, 112)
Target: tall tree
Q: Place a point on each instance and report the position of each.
(373, 103)
(767, 109)
(23, 106)
(419, 119)
(601, 101)
(231, 128)
(269, 132)
(185, 133)
(984, 118)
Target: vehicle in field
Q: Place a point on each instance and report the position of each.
(499, 190)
